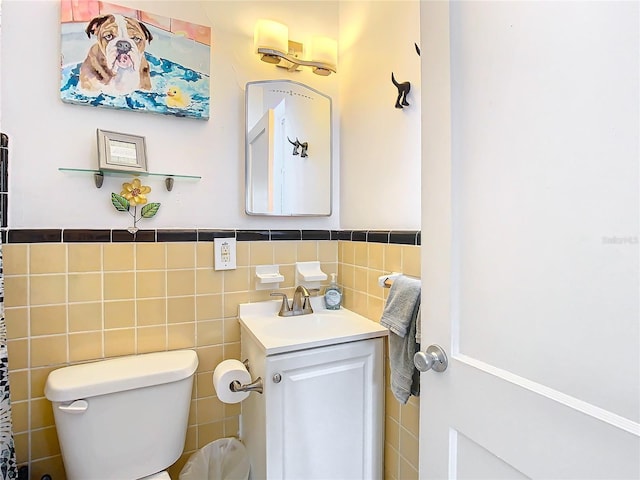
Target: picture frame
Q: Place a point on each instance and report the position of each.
(121, 152)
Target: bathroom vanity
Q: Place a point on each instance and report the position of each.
(321, 412)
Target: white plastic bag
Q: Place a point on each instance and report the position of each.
(223, 459)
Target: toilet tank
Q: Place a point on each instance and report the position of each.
(122, 418)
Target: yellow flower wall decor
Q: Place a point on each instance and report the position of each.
(133, 194)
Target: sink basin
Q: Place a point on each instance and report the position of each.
(323, 327)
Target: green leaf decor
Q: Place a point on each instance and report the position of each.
(150, 210)
(119, 202)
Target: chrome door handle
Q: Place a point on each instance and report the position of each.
(433, 359)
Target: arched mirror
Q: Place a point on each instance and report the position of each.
(288, 149)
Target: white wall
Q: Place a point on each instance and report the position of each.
(380, 145)
(46, 134)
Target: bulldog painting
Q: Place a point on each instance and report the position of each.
(116, 64)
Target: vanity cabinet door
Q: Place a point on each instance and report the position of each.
(324, 412)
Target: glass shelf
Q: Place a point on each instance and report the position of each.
(99, 175)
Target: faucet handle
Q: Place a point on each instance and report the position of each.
(285, 302)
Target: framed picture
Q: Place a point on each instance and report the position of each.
(121, 152)
(121, 57)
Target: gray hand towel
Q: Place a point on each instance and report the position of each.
(400, 315)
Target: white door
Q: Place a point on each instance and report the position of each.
(530, 239)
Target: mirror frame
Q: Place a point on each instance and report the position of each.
(247, 151)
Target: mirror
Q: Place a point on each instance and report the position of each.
(288, 149)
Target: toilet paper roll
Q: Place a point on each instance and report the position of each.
(226, 372)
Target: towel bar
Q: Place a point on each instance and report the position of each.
(386, 281)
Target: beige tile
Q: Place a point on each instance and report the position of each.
(39, 378)
(191, 441)
(407, 471)
(119, 342)
(51, 466)
(119, 314)
(17, 321)
(181, 335)
(181, 309)
(231, 302)
(393, 258)
(41, 413)
(84, 257)
(285, 252)
(307, 251)
(181, 255)
(47, 289)
(376, 256)
(20, 416)
(48, 320)
(204, 254)
(19, 381)
(15, 259)
(392, 432)
(15, 291)
(360, 279)
(232, 409)
(209, 357)
(328, 251)
(150, 284)
(375, 307)
(411, 260)
(150, 256)
(181, 282)
(47, 258)
(410, 416)
(231, 330)
(85, 346)
(119, 285)
(44, 443)
(392, 407)
(118, 256)
(373, 288)
(242, 254)
(232, 427)
(391, 463)
(348, 252)
(261, 253)
(289, 273)
(48, 350)
(208, 307)
(232, 350)
(409, 447)
(85, 316)
(347, 276)
(151, 312)
(209, 333)
(236, 280)
(209, 281)
(209, 432)
(204, 385)
(209, 409)
(151, 339)
(85, 287)
(361, 253)
(21, 442)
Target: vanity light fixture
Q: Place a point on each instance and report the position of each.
(271, 42)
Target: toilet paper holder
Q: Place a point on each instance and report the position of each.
(255, 386)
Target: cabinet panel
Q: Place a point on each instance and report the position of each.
(324, 418)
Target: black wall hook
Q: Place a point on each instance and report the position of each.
(403, 91)
(303, 146)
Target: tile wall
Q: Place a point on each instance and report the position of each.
(81, 295)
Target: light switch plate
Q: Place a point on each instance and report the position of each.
(224, 253)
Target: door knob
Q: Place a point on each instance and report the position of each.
(433, 359)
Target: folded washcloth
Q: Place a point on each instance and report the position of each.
(401, 314)
(401, 303)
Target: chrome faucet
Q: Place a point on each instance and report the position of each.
(301, 304)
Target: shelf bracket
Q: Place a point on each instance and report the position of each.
(168, 182)
(98, 178)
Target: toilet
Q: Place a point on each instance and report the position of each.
(124, 418)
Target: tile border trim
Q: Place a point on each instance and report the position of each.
(399, 237)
